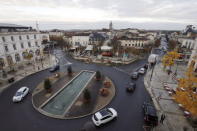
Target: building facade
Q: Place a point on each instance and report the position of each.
(138, 42)
(17, 41)
(193, 57)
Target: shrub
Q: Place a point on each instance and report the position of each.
(98, 75)
(69, 70)
(104, 92)
(47, 85)
(86, 95)
(107, 84)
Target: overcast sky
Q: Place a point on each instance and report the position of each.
(94, 14)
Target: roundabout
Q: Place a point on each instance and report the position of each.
(23, 116)
(67, 101)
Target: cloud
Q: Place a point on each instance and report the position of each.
(134, 11)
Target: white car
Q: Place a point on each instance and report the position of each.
(104, 116)
(20, 94)
(142, 71)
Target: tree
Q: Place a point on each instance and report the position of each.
(69, 70)
(187, 97)
(47, 85)
(59, 39)
(168, 59)
(157, 43)
(87, 95)
(98, 75)
(172, 44)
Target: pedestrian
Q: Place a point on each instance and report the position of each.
(162, 118)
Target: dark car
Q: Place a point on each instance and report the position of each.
(146, 66)
(134, 75)
(54, 68)
(131, 87)
(150, 114)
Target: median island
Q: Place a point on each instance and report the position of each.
(73, 94)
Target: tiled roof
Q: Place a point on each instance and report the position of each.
(133, 38)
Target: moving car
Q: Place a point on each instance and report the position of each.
(20, 94)
(54, 68)
(142, 71)
(134, 75)
(150, 114)
(131, 87)
(146, 66)
(104, 116)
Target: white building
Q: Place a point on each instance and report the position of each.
(134, 42)
(193, 57)
(16, 41)
(56, 33)
(81, 39)
(187, 42)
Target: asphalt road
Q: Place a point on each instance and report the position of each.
(23, 117)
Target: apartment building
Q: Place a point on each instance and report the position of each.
(16, 41)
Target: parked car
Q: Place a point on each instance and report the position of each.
(146, 66)
(142, 71)
(134, 75)
(131, 87)
(150, 114)
(20, 94)
(104, 116)
(54, 68)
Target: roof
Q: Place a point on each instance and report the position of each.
(97, 35)
(133, 38)
(6, 25)
(21, 89)
(82, 34)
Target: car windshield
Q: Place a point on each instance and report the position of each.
(18, 93)
(95, 118)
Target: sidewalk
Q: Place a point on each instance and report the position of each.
(175, 119)
(27, 70)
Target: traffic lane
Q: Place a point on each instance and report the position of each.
(22, 116)
(122, 100)
(128, 105)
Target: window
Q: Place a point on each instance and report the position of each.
(20, 38)
(12, 38)
(34, 36)
(3, 38)
(14, 46)
(22, 45)
(6, 48)
(36, 43)
(129, 44)
(29, 44)
(28, 37)
(125, 44)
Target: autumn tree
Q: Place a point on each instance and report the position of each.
(185, 93)
(169, 58)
